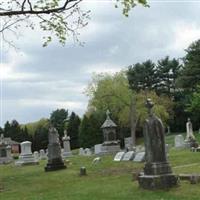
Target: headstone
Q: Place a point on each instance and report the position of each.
(128, 156)
(43, 155)
(97, 149)
(179, 141)
(139, 157)
(157, 171)
(66, 144)
(36, 155)
(119, 156)
(88, 152)
(81, 152)
(26, 157)
(128, 142)
(55, 161)
(83, 171)
(5, 153)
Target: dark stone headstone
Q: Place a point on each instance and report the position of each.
(157, 171)
(55, 161)
(83, 171)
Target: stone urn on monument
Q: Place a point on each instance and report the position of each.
(157, 171)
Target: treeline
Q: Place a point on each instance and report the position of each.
(172, 84)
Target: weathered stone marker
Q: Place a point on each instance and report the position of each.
(55, 161)
(157, 171)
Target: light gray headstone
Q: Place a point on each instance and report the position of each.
(179, 141)
(88, 152)
(128, 156)
(97, 148)
(81, 151)
(119, 156)
(139, 157)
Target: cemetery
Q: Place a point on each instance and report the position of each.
(125, 174)
(99, 100)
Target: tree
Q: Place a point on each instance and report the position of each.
(129, 4)
(73, 130)
(58, 119)
(142, 76)
(90, 129)
(57, 18)
(194, 106)
(190, 74)
(112, 92)
(167, 72)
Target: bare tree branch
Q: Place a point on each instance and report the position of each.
(41, 11)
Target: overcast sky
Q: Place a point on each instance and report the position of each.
(38, 80)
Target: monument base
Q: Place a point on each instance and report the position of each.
(157, 168)
(26, 160)
(164, 181)
(110, 149)
(66, 154)
(55, 164)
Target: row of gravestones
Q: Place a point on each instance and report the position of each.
(130, 156)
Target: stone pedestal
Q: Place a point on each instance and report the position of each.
(26, 157)
(66, 144)
(55, 161)
(157, 181)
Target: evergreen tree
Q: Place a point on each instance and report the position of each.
(142, 76)
(190, 75)
(90, 129)
(58, 119)
(73, 130)
(167, 72)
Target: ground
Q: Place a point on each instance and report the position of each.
(107, 180)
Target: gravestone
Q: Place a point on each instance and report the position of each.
(97, 149)
(119, 156)
(26, 157)
(179, 141)
(36, 155)
(5, 153)
(128, 142)
(128, 156)
(81, 152)
(139, 157)
(43, 155)
(66, 144)
(88, 152)
(55, 161)
(157, 171)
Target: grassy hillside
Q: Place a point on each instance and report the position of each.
(107, 180)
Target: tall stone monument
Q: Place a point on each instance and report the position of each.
(55, 161)
(66, 144)
(110, 144)
(190, 140)
(157, 171)
(26, 157)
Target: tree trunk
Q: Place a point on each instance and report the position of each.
(133, 119)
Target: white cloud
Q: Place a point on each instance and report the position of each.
(185, 34)
(102, 68)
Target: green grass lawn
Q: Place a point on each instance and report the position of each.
(107, 180)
